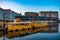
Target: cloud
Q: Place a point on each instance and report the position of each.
(17, 7)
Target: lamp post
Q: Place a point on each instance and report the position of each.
(4, 21)
(4, 25)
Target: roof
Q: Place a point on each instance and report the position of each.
(1, 8)
(48, 12)
(5, 9)
(31, 12)
(20, 22)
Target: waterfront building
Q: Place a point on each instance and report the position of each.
(52, 19)
(31, 14)
(50, 15)
(9, 14)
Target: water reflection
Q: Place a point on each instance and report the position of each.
(17, 35)
(1, 34)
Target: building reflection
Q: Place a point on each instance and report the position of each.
(1, 34)
(53, 28)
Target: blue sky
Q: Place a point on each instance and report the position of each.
(31, 5)
(39, 2)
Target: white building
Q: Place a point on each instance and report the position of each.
(9, 14)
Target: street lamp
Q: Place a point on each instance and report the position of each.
(4, 25)
(4, 21)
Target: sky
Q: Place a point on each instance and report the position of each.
(22, 6)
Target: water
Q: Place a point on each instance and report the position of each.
(36, 36)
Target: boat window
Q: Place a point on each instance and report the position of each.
(12, 24)
(39, 27)
(0, 26)
(16, 24)
(27, 24)
(23, 29)
(28, 28)
(21, 24)
(33, 28)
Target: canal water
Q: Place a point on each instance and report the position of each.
(36, 36)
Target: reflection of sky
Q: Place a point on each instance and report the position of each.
(31, 5)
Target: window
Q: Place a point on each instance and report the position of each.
(21, 24)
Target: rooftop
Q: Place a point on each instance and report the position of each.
(48, 12)
(30, 12)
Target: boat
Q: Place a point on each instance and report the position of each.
(27, 26)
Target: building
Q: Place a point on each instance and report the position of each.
(31, 14)
(1, 14)
(9, 14)
(52, 18)
(50, 15)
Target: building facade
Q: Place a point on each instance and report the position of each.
(31, 14)
(9, 14)
(50, 15)
(52, 18)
